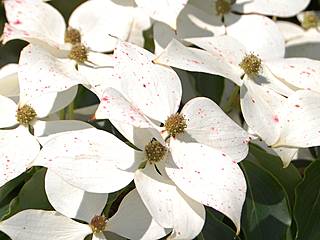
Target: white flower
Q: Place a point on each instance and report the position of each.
(261, 102)
(29, 110)
(96, 161)
(217, 18)
(132, 220)
(201, 124)
(39, 23)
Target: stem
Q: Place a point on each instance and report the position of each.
(231, 100)
(70, 111)
(62, 114)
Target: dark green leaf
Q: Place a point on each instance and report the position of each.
(208, 85)
(266, 213)
(9, 187)
(288, 177)
(307, 207)
(215, 229)
(31, 196)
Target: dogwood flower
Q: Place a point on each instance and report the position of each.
(25, 224)
(201, 121)
(101, 164)
(217, 18)
(49, 30)
(260, 87)
(28, 110)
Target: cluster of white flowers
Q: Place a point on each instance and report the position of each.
(178, 159)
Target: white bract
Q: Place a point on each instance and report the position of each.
(163, 10)
(132, 221)
(9, 84)
(18, 148)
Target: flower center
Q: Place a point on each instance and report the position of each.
(25, 114)
(251, 65)
(79, 53)
(310, 20)
(72, 36)
(155, 151)
(222, 7)
(98, 224)
(175, 124)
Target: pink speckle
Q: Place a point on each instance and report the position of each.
(275, 118)
(16, 22)
(105, 98)
(305, 72)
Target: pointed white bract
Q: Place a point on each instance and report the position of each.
(96, 21)
(261, 108)
(258, 34)
(88, 160)
(154, 88)
(280, 8)
(209, 125)
(162, 10)
(168, 205)
(42, 73)
(39, 224)
(36, 22)
(299, 73)
(301, 107)
(16, 160)
(71, 201)
(192, 59)
(9, 85)
(133, 221)
(8, 112)
(214, 179)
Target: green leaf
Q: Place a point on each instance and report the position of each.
(288, 177)
(208, 85)
(215, 229)
(265, 213)
(31, 196)
(66, 7)
(148, 39)
(8, 189)
(307, 207)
